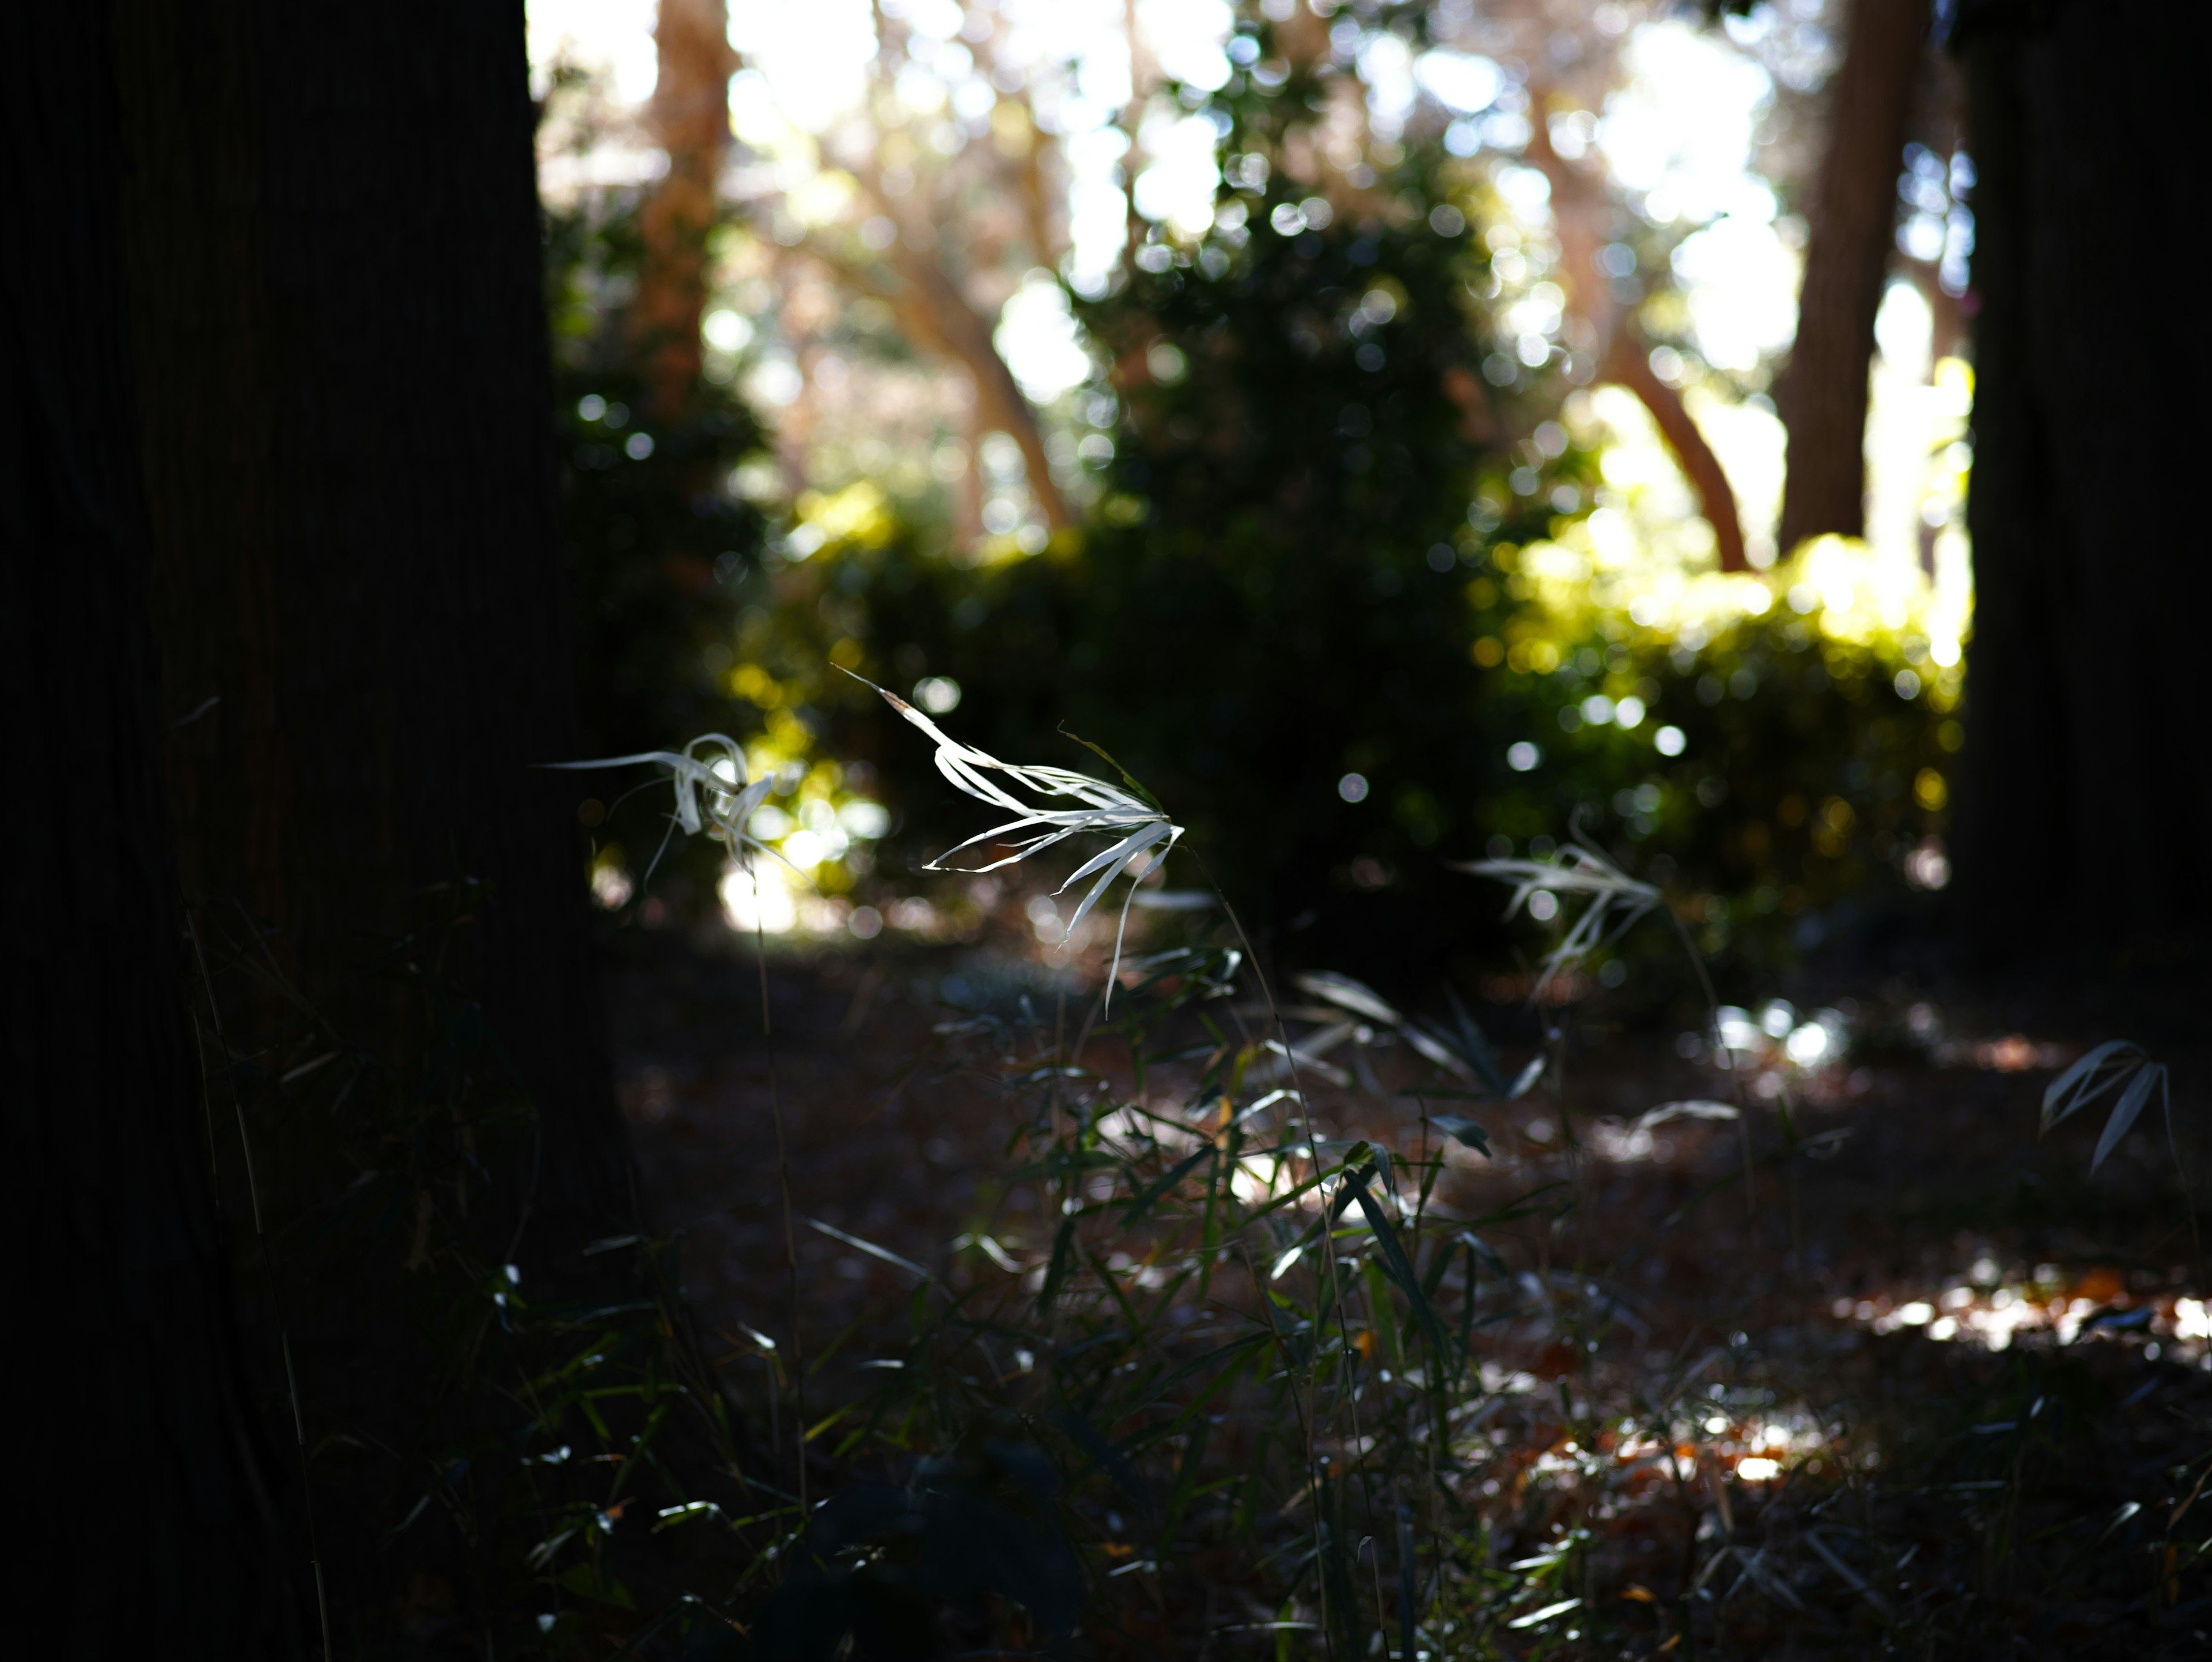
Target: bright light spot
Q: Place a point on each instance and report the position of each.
(1741, 285)
(1352, 787)
(1044, 919)
(1543, 905)
(1523, 757)
(1386, 65)
(1928, 866)
(1806, 1045)
(1629, 712)
(1038, 339)
(1758, 1468)
(777, 381)
(1944, 650)
(1597, 709)
(1681, 132)
(814, 58)
(1904, 328)
(727, 330)
(2192, 1319)
(1459, 80)
(864, 818)
(611, 887)
(865, 923)
(1186, 38)
(638, 446)
(1918, 1313)
(610, 36)
(1907, 684)
(1178, 188)
(768, 909)
(1669, 740)
(1777, 1017)
(939, 695)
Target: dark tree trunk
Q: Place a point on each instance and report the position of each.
(345, 395)
(151, 1529)
(2085, 802)
(1853, 213)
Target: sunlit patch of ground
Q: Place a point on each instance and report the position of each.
(1673, 1383)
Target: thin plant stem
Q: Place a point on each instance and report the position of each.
(783, 1185)
(1735, 1075)
(268, 1269)
(1327, 1232)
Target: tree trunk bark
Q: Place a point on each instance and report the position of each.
(345, 398)
(1823, 392)
(689, 116)
(157, 1530)
(2084, 803)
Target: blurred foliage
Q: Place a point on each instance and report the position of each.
(658, 549)
(1339, 576)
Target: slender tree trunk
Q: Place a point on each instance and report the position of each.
(936, 317)
(689, 115)
(345, 394)
(156, 1530)
(1823, 393)
(1582, 210)
(2084, 802)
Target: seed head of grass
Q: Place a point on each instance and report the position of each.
(1140, 828)
(714, 797)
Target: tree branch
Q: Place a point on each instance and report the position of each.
(1583, 210)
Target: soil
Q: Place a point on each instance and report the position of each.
(1961, 1357)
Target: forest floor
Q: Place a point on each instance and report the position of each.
(1961, 1399)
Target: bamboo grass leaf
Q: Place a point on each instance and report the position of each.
(2124, 1115)
(1399, 1266)
(870, 1248)
(1459, 1129)
(1356, 996)
(1142, 1202)
(2082, 1084)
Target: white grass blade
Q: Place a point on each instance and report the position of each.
(1696, 1109)
(2079, 1085)
(1356, 996)
(712, 794)
(2124, 1115)
(1136, 826)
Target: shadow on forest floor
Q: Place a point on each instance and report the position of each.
(1954, 1392)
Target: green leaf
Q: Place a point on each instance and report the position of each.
(1143, 1202)
(1400, 1268)
(1459, 1129)
(1127, 778)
